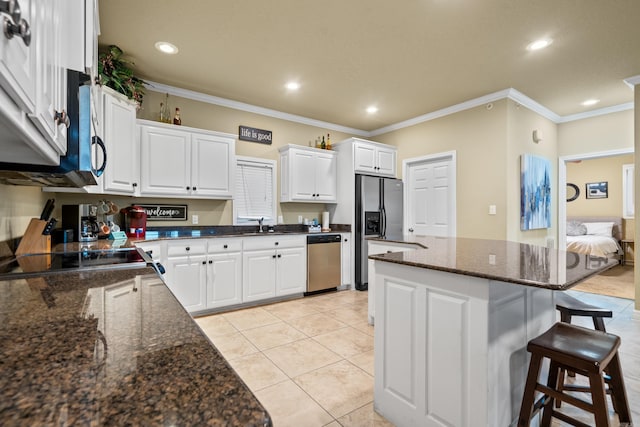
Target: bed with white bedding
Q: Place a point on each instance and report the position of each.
(595, 236)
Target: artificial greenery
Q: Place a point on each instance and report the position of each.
(116, 73)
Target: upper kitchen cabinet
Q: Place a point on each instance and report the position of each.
(307, 174)
(373, 158)
(185, 162)
(34, 50)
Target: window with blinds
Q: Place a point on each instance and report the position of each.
(255, 191)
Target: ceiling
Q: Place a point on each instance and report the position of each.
(407, 57)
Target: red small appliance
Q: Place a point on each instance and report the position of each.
(135, 221)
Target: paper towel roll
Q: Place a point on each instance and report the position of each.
(325, 220)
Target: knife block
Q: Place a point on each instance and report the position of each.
(33, 241)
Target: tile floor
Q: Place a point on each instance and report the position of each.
(310, 360)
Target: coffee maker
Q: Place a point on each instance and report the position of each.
(135, 221)
(83, 220)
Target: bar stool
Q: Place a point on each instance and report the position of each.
(570, 306)
(583, 351)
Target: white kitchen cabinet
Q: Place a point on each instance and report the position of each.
(273, 266)
(185, 162)
(186, 270)
(224, 272)
(374, 159)
(307, 174)
(346, 258)
(155, 248)
(118, 131)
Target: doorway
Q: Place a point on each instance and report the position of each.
(430, 195)
(574, 175)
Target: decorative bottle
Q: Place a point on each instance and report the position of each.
(176, 119)
(323, 144)
(164, 110)
(328, 142)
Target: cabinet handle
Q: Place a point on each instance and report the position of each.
(135, 184)
(21, 30)
(194, 188)
(210, 261)
(346, 240)
(226, 246)
(411, 230)
(277, 243)
(273, 256)
(61, 118)
(187, 248)
(279, 256)
(204, 262)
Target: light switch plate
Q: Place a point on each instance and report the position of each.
(194, 219)
(492, 209)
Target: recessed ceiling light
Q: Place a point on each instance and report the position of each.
(539, 44)
(166, 47)
(292, 85)
(590, 102)
(372, 109)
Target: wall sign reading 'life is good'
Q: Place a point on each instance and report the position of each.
(255, 135)
(165, 212)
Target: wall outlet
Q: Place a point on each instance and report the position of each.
(194, 219)
(492, 259)
(492, 209)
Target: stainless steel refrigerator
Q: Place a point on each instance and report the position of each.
(378, 214)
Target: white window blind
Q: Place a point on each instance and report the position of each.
(255, 191)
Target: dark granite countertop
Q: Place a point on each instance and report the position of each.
(111, 348)
(511, 262)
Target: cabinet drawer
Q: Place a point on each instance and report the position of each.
(224, 245)
(186, 247)
(274, 242)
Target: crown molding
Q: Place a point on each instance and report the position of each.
(632, 82)
(236, 105)
(510, 93)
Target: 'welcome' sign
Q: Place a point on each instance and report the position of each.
(165, 212)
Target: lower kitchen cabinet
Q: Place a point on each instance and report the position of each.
(186, 277)
(224, 279)
(273, 266)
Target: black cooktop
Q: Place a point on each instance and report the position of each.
(28, 265)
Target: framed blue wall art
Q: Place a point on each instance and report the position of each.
(535, 192)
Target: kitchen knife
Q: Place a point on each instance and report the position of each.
(49, 226)
(48, 208)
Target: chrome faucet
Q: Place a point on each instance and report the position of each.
(260, 224)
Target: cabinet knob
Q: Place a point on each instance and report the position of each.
(210, 261)
(273, 256)
(226, 246)
(135, 184)
(277, 243)
(188, 188)
(187, 248)
(279, 256)
(204, 262)
(411, 230)
(61, 118)
(194, 188)
(21, 30)
(346, 240)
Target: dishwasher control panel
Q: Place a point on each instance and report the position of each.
(323, 238)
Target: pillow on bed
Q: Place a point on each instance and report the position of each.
(599, 228)
(576, 228)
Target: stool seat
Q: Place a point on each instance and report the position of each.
(570, 306)
(584, 351)
(578, 347)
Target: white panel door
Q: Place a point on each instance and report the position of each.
(291, 273)
(303, 186)
(258, 275)
(165, 161)
(186, 277)
(364, 158)
(430, 203)
(326, 177)
(121, 174)
(386, 161)
(211, 158)
(224, 279)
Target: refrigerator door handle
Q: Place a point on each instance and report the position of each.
(383, 220)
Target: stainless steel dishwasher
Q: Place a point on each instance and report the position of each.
(323, 262)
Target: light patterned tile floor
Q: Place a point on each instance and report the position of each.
(310, 361)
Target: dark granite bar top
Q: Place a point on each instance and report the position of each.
(511, 262)
(111, 348)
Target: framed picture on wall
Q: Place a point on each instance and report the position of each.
(597, 190)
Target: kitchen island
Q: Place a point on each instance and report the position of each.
(111, 347)
(452, 323)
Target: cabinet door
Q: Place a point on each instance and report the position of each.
(186, 277)
(364, 158)
(258, 275)
(224, 279)
(51, 77)
(291, 274)
(121, 175)
(302, 178)
(211, 172)
(386, 161)
(326, 178)
(18, 62)
(346, 258)
(165, 162)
